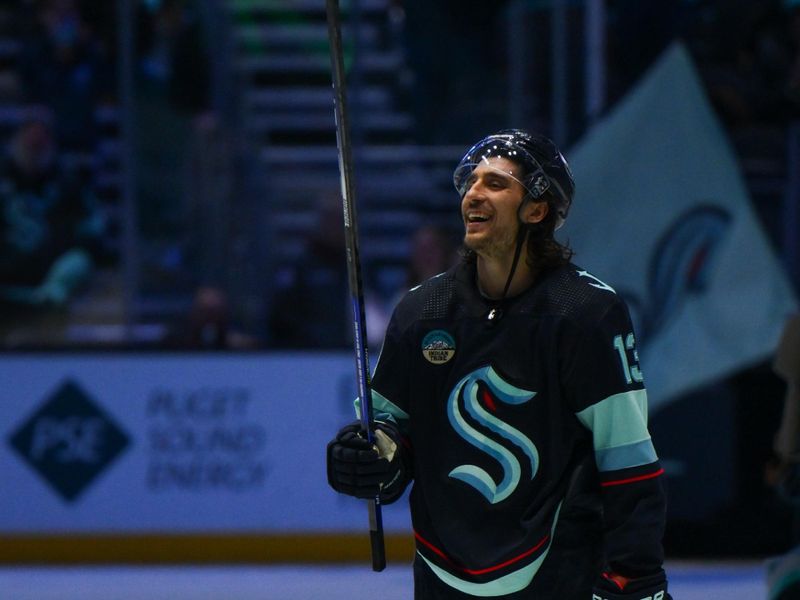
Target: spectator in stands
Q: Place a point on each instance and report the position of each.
(433, 251)
(50, 225)
(63, 67)
(311, 307)
(209, 325)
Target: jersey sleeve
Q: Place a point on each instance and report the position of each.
(605, 389)
(390, 381)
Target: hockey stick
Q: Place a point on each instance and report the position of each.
(354, 264)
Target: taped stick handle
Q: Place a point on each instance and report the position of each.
(343, 145)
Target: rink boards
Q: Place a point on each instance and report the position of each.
(182, 457)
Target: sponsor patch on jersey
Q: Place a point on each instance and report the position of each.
(438, 347)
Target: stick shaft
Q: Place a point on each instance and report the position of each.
(353, 262)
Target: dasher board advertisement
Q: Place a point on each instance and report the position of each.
(175, 443)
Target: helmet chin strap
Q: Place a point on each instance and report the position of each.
(522, 235)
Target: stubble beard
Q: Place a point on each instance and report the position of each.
(492, 247)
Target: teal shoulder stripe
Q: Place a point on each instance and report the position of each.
(384, 409)
(619, 420)
(508, 584)
(624, 457)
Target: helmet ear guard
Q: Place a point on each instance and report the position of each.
(539, 186)
(544, 167)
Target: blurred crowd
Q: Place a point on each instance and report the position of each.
(60, 197)
(60, 168)
(53, 228)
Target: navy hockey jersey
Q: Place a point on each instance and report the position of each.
(526, 429)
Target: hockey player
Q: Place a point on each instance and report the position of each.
(509, 390)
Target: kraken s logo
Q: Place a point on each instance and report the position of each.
(495, 388)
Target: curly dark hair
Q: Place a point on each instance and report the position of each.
(544, 251)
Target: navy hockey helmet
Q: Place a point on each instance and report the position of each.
(544, 167)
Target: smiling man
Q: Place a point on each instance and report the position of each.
(509, 391)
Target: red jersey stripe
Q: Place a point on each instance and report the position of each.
(510, 561)
(632, 479)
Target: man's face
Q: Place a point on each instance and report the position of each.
(489, 208)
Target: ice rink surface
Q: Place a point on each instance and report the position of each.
(688, 581)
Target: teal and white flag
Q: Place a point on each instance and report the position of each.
(662, 214)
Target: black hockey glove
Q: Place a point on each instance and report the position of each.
(358, 468)
(611, 587)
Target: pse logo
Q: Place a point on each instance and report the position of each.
(69, 441)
